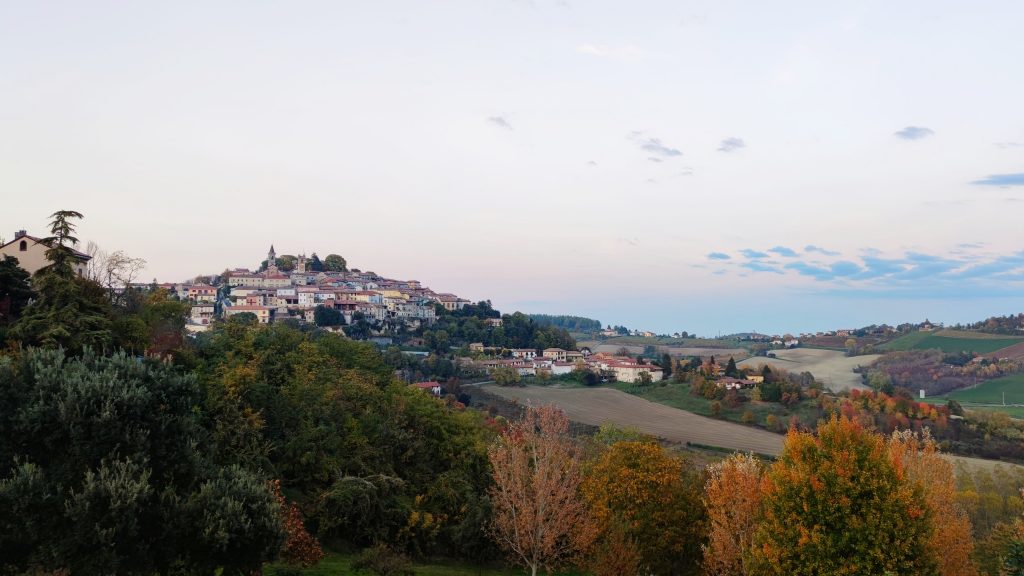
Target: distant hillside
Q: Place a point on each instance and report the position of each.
(952, 341)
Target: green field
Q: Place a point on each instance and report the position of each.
(949, 341)
(991, 392)
(678, 396)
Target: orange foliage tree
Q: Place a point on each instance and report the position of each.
(837, 503)
(300, 547)
(654, 499)
(539, 518)
(951, 538)
(732, 497)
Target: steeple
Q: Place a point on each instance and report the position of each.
(271, 261)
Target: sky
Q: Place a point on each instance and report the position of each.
(710, 166)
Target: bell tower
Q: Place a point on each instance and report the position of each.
(272, 261)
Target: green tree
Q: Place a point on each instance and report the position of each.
(324, 316)
(731, 370)
(15, 291)
(666, 365)
(335, 263)
(112, 473)
(505, 376)
(69, 311)
(836, 503)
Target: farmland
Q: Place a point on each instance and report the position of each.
(952, 341)
(598, 406)
(988, 396)
(830, 367)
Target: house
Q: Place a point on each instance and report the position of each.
(202, 293)
(263, 313)
(431, 387)
(31, 254)
(494, 322)
(734, 383)
(560, 368)
(555, 354)
(525, 353)
(630, 372)
(476, 347)
(201, 313)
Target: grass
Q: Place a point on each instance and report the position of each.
(990, 392)
(952, 341)
(678, 396)
(335, 564)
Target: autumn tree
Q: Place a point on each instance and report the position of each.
(505, 376)
(653, 498)
(950, 541)
(836, 503)
(732, 497)
(539, 519)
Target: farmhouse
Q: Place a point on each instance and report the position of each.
(31, 254)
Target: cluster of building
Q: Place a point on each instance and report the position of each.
(558, 362)
(272, 294)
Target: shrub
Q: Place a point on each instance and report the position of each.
(381, 560)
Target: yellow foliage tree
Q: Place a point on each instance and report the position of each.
(732, 497)
(654, 499)
(951, 536)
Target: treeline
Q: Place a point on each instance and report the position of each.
(1012, 324)
(934, 371)
(571, 323)
(839, 500)
(470, 325)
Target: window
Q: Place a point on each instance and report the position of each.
(23, 246)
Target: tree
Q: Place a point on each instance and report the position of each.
(15, 291)
(112, 472)
(730, 368)
(69, 311)
(335, 263)
(116, 272)
(732, 497)
(324, 316)
(666, 365)
(60, 244)
(644, 378)
(652, 498)
(539, 519)
(836, 503)
(951, 540)
(315, 265)
(505, 375)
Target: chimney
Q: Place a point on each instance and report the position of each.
(19, 234)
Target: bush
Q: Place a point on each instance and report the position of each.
(383, 561)
(287, 571)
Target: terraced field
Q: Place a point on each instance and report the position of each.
(831, 367)
(598, 406)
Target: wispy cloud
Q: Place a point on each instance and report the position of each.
(819, 250)
(783, 251)
(653, 159)
(753, 254)
(910, 273)
(500, 121)
(1009, 145)
(1016, 179)
(914, 133)
(654, 145)
(719, 256)
(731, 144)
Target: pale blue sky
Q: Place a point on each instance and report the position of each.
(704, 166)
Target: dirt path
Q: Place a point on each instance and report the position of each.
(597, 406)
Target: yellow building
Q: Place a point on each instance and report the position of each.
(31, 254)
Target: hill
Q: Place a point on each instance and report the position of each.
(952, 341)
